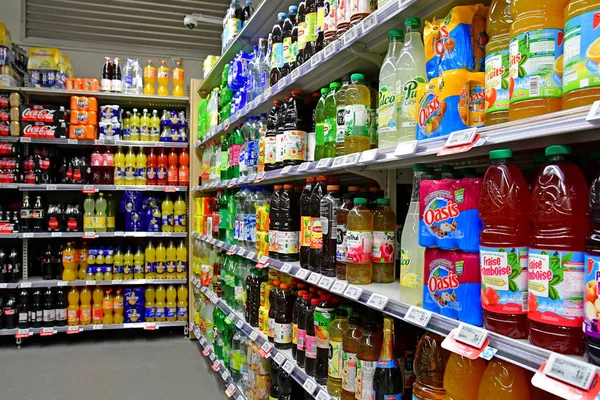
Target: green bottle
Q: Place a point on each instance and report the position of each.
(235, 146)
(320, 125)
(225, 158)
(330, 120)
(110, 214)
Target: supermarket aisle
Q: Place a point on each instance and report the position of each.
(108, 369)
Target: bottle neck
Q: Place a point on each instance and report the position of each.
(387, 348)
(411, 38)
(393, 46)
(417, 177)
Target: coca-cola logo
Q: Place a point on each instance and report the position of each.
(30, 177)
(72, 224)
(4, 130)
(38, 114)
(53, 224)
(39, 130)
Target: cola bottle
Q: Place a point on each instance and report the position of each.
(107, 75)
(14, 266)
(16, 225)
(57, 265)
(3, 266)
(10, 312)
(73, 218)
(44, 172)
(108, 167)
(23, 309)
(63, 172)
(56, 219)
(26, 212)
(49, 311)
(36, 310)
(37, 215)
(61, 308)
(47, 265)
(116, 84)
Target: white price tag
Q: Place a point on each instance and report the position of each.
(253, 336)
(98, 327)
(251, 255)
(295, 74)
(90, 283)
(323, 395)
(25, 140)
(377, 301)
(349, 36)
(406, 148)
(266, 347)
(309, 385)
(326, 282)
(230, 389)
(302, 274)
(418, 316)
(470, 335)
(47, 332)
(461, 137)
(329, 50)
(251, 178)
(352, 159)
(51, 188)
(571, 371)
(368, 156)
(241, 252)
(593, 115)
(286, 170)
(25, 285)
(264, 260)
(201, 340)
(369, 23)
(289, 366)
(211, 356)
(28, 235)
(314, 278)
(304, 166)
(242, 179)
(338, 287)
(323, 163)
(220, 243)
(231, 317)
(286, 268)
(316, 59)
(3, 285)
(61, 283)
(267, 93)
(282, 83)
(225, 375)
(353, 292)
(279, 358)
(56, 234)
(338, 161)
(239, 323)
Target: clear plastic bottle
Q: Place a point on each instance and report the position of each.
(384, 240)
(340, 107)
(330, 121)
(320, 126)
(359, 239)
(357, 116)
(387, 116)
(430, 363)
(341, 231)
(335, 366)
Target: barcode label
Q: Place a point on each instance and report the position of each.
(534, 85)
(573, 372)
(304, 166)
(288, 367)
(310, 386)
(377, 301)
(470, 335)
(524, 302)
(253, 336)
(418, 316)
(286, 268)
(314, 278)
(338, 287)
(279, 358)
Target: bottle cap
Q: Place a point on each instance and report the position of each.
(276, 283)
(306, 296)
(281, 15)
(357, 77)
(310, 179)
(287, 186)
(284, 286)
(558, 150)
(277, 187)
(301, 293)
(385, 202)
(374, 189)
(321, 178)
(292, 10)
(301, 285)
(296, 92)
(412, 24)
(500, 153)
(324, 90)
(332, 188)
(312, 289)
(335, 85)
(315, 302)
(326, 297)
(353, 188)
(277, 102)
(396, 33)
(360, 200)
(418, 167)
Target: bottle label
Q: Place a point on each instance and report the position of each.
(250, 227)
(330, 10)
(295, 334)
(279, 150)
(150, 173)
(383, 246)
(408, 279)
(357, 120)
(311, 27)
(171, 266)
(335, 364)
(150, 313)
(504, 279)
(159, 313)
(316, 233)
(497, 81)
(283, 333)
(363, 7)
(329, 130)
(582, 52)
(277, 55)
(301, 339)
(305, 231)
(349, 371)
(386, 113)
(97, 314)
(556, 282)
(160, 267)
(321, 18)
(536, 65)
(179, 220)
(140, 173)
(311, 346)
(224, 160)
(238, 293)
(72, 316)
(252, 154)
(288, 50)
(365, 371)
(359, 246)
(287, 242)
(50, 315)
(234, 154)
(323, 319)
(181, 267)
(270, 150)
(293, 145)
(340, 249)
(271, 327)
(340, 129)
(273, 241)
(592, 281)
(171, 312)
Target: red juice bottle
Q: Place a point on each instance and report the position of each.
(303, 308)
(310, 360)
(151, 168)
(184, 169)
(504, 207)
(592, 275)
(305, 223)
(161, 168)
(173, 171)
(556, 254)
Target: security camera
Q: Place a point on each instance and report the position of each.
(190, 21)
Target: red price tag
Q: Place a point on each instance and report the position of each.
(150, 326)
(563, 389)
(22, 333)
(463, 349)
(47, 332)
(89, 189)
(260, 177)
(231, 250)
(205, 353)
(461, 141)
(73, 329)
(89, 235)
(170, 189)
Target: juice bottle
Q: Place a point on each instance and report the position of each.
(341, 228)
(70, 263)
(179, 213)
(97, 312)
(171, 309)
(536, 58)
(283, 326)
(73, 307)
(387, 115)
(302, 307)
(160, 294)
(504, 210)
(110, 214)
(330, 203)
(335, 365)
(134, 126)
(340, 107)
(182, 303)
(592, 260)
(85, 309)
(161, 168)
(182, 256)
(149, 262)
(310, 361)
(178, 80)
(130, 167)
(324, 314)
(556, 254)
(173, 169)
(126, 116)
(305, 224)
(98, 275)
(350, 338)
(138, 264)
(89, 207)
(167, 215)
(107, 307)
(151, 168)
(502, 381)
(118, 307)
(161, 261)
(118, 264)
(263, 310)
(119, 160)
(316, 229)
(429, 365)
(149, 306)
(287, 236)
(455, 384)
(384, 239)
(359, 239)
(101, 213)
(184, 169)
(128, 264)
(149, 78)
(140, 168)
(367, 354)
(163, 79)
(582, 54)
(154, 126)
(358, 116)
(497, 62)
(388, 381)
(171, 260)
(412, 255)
(320, 125)
(145, 126)
(109, 260)
(330, 121)
(273, 304)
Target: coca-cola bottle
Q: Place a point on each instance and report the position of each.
(10, 312)
(73, 218)
(14, 266)
(3, 266)
(63, 171)
(57, 265)
(47, 265)
(61, 308)
(23, 309)
(44, 170)
(56, 219)
(26, 212)
(38, 215)
(36, 315)
(49, 311)
(16, 225)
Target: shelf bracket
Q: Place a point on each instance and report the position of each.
(361, 50)
(378, 175)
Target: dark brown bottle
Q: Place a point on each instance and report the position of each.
(283, 318)
(26, 215)
(277, 49)
(316, 229)
(329, 206)
(271, 137)
(274, 222)
(288, 232)
(303, 303)
(289, 59)
(301, 17)
(273, 309)
(296, 126)
(37, 215)
(305, 223)
(280, 132)
(324, 315)
(310, 361)
(311, 30)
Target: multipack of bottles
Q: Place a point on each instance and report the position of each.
(160, 78)
(150, 167)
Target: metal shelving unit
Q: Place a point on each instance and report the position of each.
(97, 188)
(98, 142)
(150, 326)
(41, 283)
(95, 235)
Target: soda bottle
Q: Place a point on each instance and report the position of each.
(316, 229)
(171, 307)
(109, 262)
(107, 307)
(335, 363)
(557, 243)
(100, 219)
(130, 170)
(96, 164)
(97, 310)
(277, 53)
(38, 215)
(323, 316)
(184, 170)
(10, 312)
(289, 56)
(283, 325)
(329, 206)
(167, 215)
(163, 79)
(119, 171)
(36, 311)
(118, 307)
(502, 380)
(110, 214)
(154, 127)
(145, 126)
(73, 307)
(182, 303)
(384, 239)
(23, 310)
(128, 264)
(359, 239)
(134, 126)
(172, 171)
(330, 121)
(85, 309)
(171, 254)
(118, 264)
(108, 163)
(387, 115)
(26, 215)
(320, 126)
(357, 116)
(235, 146)
(116, 83)
(89, 216)
(161, 168)
(367, 355)
(108, 71)
(504, 211)
(138, 264)
(430, 362)
(178, 80)
(161, 261)
(149, 78)
(350, 338)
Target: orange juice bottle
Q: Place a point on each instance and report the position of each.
(83, 260)
(138, 264)
(429, 364)
(171, 260)
(70, 263)
(582, 54)
(118, 304)
(497, 62)
(85, 310)
(181, 268)
(128, 264)
(182, 303)
(178, 80)
(149, 78)
(161, 261)
(163, 79)
(97, 310)
(536, 58)
(359, 238)
(159, 315)
(502, 381)
(455, 384)
(73, 308)
(149, 304)
(150, 262)
(171, 310)
(107, 307)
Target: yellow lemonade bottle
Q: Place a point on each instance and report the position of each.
(73, 307)
(97, 313)
(171, 260)
(118, 265)
(149, 78)
(181, 269)
(119, 161)
(150, 261)
(179, 211)
(109, 260)
(85, 309)
(163, 79)
(107, 307)
(145, 126)
(359, 239)
(582, 54)
(92, 254)
(128, 264)
(98, 275)
(536, 58)
(154, 127)
(497, 62)
(138, 264)
(140, 168)
(130, 167)
(178, 80)
(159, 315)
(118, 307)
(83, 261)
(182, 303)
(149, 305)
(171, 310)
(161, 261)
(134, 126)
(358, 115)
(167, 215)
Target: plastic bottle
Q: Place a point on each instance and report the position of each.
(163, 79)
(154, 126)
(109, 261)
(412, 256)
(283, 326)
(89, 216)
(289, 57)
(145, 126)
(36, 315)
(368, 350)
(310, 361)
(387, 114)
(429, 366)
(167, 215)
(118, 264)
(182, 303)
(384, 240)
(502, 381)
(85, 309)
(149, 78)
(134, 126)
(294, 140)
(130, 171)
(73, 308)
(340, 106)
(535, 73)
(119, 172)
(160, 294)
(161, 261)
(118, 307)
(110, 214)
(138, 264)
(97, 311)
(330, 203)
(178, 80)
(330, 121)
(149, 261)
(357, 116)
(350, 338)
(184, 169)
(182, 256)
(48, 312)
(161, 168)
(323, 315)
(171, 254)
(359, 239)
(128, 264)
(98, 271)
(455, 384)
(107, 307)
(305, 225)
(70, 262)
(341, 231)
(316, 230)
(100, 220)
(171, 306)
(277, 56)
(335, 364)
(288, 231)
(23, 310)
(558, 211)
(140, 168)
